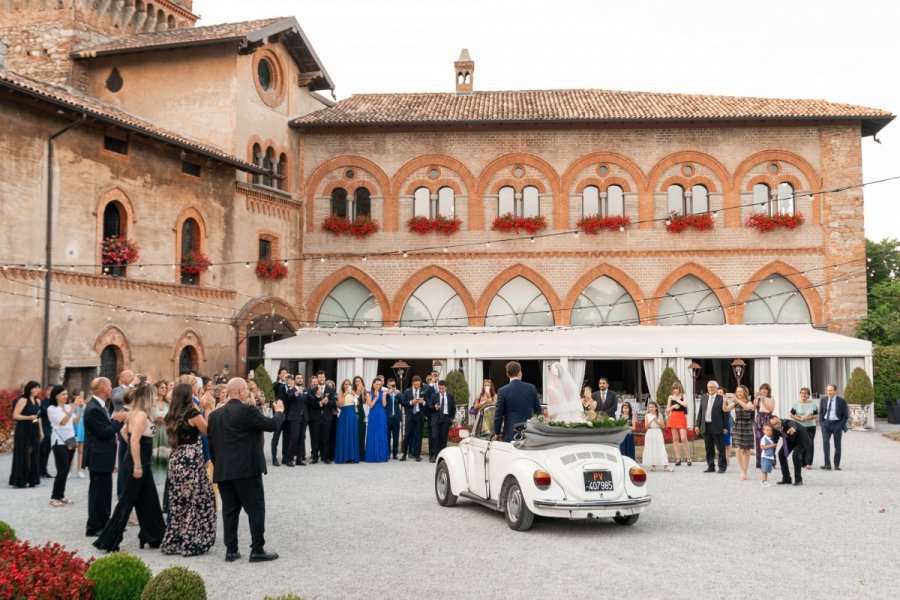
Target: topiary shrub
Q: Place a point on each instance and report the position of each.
(175, 583)
(665, 386)
(859, 389)
(886, 372)
(458, 388)
(6, 532)
(119, 576)
(264, 382)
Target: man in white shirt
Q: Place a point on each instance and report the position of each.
(414, 406)
(833, 413)
(443, 409)
(711, 422)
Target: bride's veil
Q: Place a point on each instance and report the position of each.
(563, 397)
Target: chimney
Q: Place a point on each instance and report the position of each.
(464, 70)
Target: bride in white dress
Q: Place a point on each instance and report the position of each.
(563, 399)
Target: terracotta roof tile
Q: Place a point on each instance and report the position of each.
(557, 106)
(80, 102)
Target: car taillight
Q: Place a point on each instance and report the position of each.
(542, 480)
(638, 476)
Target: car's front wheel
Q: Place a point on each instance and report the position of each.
(626, 520)
(442, 489)
(518, 515)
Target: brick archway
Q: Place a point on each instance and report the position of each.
(339, 162)
(412, 284)
(508, 275)
(475, 207)
(568, 178)
(560, 210)
(612, 272)
(111, 335)
(188, 337)
(726, 300)
(813, 180)
(259, 307)
(329, 283)
(803, 285)
(646, 209)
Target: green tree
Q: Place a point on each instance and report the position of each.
(665, 386)
(881, 326)
(883, 261)
(264, 382)
(886, 372)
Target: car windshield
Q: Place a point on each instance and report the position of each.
(485, 425)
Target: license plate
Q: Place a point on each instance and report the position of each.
(598, 481)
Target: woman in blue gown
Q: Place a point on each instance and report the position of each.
(377, 433)
(627, 445)
(346, 442)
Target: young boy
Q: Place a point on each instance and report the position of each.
(767, 460)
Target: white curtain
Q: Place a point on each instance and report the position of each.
(344, 371)
(369, 371)
(831, 371)
(794, 373)
(576, 368)
(473, 377)
(546, 365)
(272, 365)
(652, 373)
(762, 372)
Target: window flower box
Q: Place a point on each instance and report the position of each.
(360, 227)
(274, 270)
(118, 252)
(765, 222)
(594, 224)
(441, 224)
(510, 222)
(677, 222)
(194, 263)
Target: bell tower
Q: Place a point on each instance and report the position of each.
(464, 71)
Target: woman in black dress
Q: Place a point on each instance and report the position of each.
(26, 469)
(192, 508)
(140, 489)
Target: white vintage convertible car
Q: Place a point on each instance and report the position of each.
(547, 471)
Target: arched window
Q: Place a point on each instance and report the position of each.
(187, 360)
(362, 205)
(112, 220)
(434, 304)
(339, 202)
(109, 363)
(590, 201)
(675, 199)
(281, 180)
(446, 204)
(699, 199)
(257, 160)
(785, 203)
(506, 201)
(422, 203)
(268, 164)
(605, 302)
(776, 301)
(519, 303)
(531, 206)
(690, 302)
(760, 196)
(262, 331)
(350, 304)
(190, 241)
(615, 201)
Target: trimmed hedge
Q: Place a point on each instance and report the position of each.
(859, 389)
(886, 373)
(175, 583)
(119, 576)
(6, 531)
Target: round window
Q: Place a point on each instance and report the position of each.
(264, 74)
(603, 170)
(773, 168)
(433, 173)
(518, 171)
(349, 174)
(687, 170)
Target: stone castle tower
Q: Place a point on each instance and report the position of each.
(37, 37)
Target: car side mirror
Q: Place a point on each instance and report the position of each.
(463, 434)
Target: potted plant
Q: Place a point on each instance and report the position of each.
(594, 224)
(116, 253)
(765, 223)
(677, 222)
(510, 222)
(457, 386)
(859, 395)
(274, 270)
(193, 264)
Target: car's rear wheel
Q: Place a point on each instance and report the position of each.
(626, 520)
(442, 489)
(518, 515)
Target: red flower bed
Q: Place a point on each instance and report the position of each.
(453, 436)
(119, 251)
(510, 222)
(45, 572)
(8, 397)
(359, 227)
(667, 435)
(594, 224)
(678, 222)
(271, 269)
(440, 224)
(195, 262)
(765, 223)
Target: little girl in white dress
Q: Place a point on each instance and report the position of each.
(654, 444)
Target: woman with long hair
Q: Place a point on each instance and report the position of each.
(676, 410)
(26, 463)
(362, 412)
(627, 445)
(765, 408)
(62, 440)
(587, 399)
(192, 508)
(742, 429)
(654, 443)
(160, 440)
(376, 436)
(486, 397)
(140, 490)
(346, 444)
(81, 404)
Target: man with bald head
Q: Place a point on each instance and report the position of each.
(100, 433)
(236, 447)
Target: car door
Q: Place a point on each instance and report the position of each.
(480, 448)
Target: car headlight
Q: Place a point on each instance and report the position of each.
(542, 479)
(638, 476)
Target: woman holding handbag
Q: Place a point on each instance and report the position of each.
(63, 417)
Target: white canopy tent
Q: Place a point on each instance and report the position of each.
(782, 351)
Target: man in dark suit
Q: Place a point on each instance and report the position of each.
(517, 402)
(280, 387)
(320, 403)
(100, 433)
(431, 390)
(414, 404)
(394, 403)
(295, 418)
(607, 401)
(833, 413)
(711, 423)
(443, 409)
(794, 439)
(236, 446)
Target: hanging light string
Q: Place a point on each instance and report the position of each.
(445, 247)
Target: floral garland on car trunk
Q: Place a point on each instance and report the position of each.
(275, 270)
(360, 227)
(765, 222)
(118, 250)
(594, 224)
(677, 222)
(441, 224)
(510, 222)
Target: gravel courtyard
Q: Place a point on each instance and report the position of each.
(376, 531)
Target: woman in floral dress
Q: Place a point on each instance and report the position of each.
(192, 529)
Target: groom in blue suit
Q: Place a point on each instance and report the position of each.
(517, 402)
